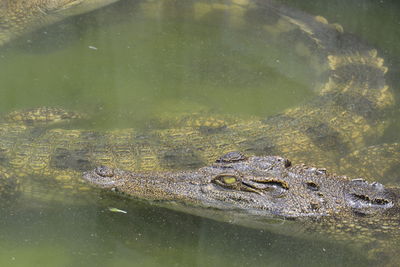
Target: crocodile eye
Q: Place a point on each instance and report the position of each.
(226, 179)
(229, 179)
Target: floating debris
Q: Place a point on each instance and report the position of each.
(92, 47)
(117, 210)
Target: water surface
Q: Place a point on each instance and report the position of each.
(125, 68)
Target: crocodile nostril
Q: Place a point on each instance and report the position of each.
(312, 186)
(104, 171)
(287, 163)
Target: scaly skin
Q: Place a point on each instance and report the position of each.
(347, 111)
(21, 16)
(256, 191)
(374, 161)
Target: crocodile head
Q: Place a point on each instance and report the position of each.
(266, 187)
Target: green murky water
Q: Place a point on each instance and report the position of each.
(126, 69)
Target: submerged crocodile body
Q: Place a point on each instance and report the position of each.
(21, 16)
(256, 191)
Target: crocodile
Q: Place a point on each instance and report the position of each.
(268, 192)
(351, 100)
(38, 146)
(21, 16)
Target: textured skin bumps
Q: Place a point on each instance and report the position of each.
(374, 161)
